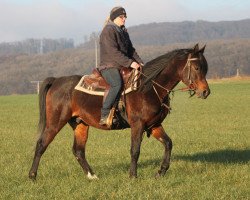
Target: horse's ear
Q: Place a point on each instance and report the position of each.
(196, 48)
(202, 49)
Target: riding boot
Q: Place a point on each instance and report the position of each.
(103, 121)
(104, 117)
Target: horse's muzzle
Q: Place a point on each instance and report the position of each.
(203, 93)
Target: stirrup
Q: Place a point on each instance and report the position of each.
(108, 121)
(110, 117)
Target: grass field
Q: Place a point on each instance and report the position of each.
(210, 158)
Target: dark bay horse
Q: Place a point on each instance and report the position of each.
(146, 108)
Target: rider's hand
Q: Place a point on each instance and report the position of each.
(134, 65)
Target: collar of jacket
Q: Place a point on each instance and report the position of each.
(118, 28)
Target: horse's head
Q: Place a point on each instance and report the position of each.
(194, 73)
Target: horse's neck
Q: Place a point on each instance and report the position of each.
(169, 77)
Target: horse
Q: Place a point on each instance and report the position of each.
(146, 107)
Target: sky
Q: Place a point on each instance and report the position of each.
(76, 19)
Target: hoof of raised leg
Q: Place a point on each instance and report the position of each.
(92, 176)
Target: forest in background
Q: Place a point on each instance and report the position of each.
(228, 49)
(35, 46)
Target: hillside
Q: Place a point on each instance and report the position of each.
(225, 52)
(181, 32)
(18, 70)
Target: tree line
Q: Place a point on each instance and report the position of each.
(182, 32)
(35, 46)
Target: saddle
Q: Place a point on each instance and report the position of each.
(95, 84)
(95, 81)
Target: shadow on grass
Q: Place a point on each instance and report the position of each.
(226, 156)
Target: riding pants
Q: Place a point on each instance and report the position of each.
(113, 78)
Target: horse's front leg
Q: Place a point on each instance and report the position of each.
(136, 139)
(160, 134)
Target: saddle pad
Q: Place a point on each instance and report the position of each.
(81, 86)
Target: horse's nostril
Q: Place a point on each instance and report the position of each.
(206, 92)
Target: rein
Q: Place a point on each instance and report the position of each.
(159, 85)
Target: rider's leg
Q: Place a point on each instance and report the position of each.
(113, 78)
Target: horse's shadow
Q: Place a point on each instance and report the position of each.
(225, 156)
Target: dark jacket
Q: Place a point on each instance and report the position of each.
(116, 49)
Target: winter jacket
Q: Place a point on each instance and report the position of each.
(116, 49)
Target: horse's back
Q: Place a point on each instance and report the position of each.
(62, 88)
(66, 82)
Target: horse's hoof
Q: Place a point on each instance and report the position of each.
(132, 176)
(92, 177)
(32, 176)
(159, 175)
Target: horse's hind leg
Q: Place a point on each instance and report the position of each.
(160, 134)
(80, 139)
(45, 139)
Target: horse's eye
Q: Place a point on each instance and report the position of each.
(196, 67)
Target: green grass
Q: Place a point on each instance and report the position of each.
(210, 158)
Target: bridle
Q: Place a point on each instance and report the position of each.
(188, 65)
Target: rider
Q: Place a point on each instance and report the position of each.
(116, 51)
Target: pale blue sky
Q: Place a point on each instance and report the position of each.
(21, 19)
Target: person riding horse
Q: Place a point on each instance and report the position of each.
(116, 51)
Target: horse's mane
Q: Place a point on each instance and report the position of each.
(154, 67)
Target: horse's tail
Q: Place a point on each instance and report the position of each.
(42, 103)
